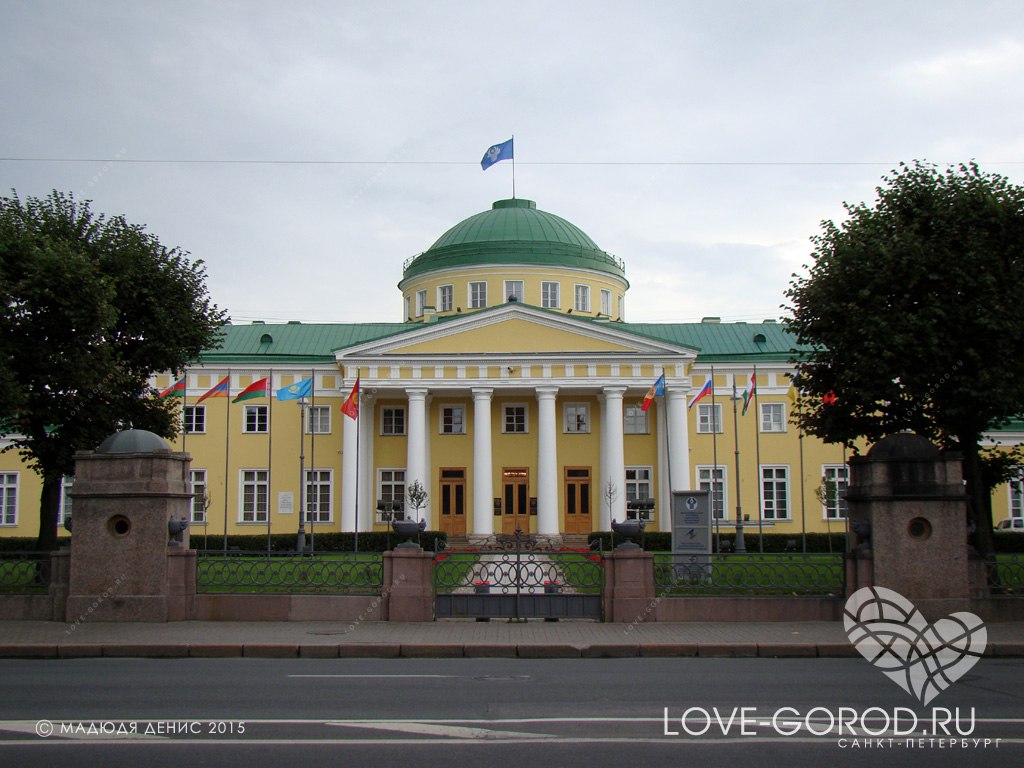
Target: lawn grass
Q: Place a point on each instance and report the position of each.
(333, 573)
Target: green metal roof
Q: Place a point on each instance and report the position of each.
(514, 232)
(316, 342)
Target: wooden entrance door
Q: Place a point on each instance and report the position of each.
(577, 500)
(515, 500)
(453, 501)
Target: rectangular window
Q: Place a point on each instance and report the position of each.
(421, 302)
(64, 510)
(704, 483)
(8, 498)
(392, 420)
(773, 417)
(193, 418)
(635, 420)
(514, 290)
(197, 477)
(622, 308)
(577, 417)
(477, 295)
(515, 419)
(255, 419)
(709, 418)
(638, 488)
(446, 298)
(390, 493)
(834, 481)
(606, 302)
(582, 298)
(318, 420)
(1017, 493)
(775, 492)
(253, 506)
(318, 495)
(453, 420)
(549, 295)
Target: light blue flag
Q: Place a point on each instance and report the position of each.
(496, 154)
(296, 390)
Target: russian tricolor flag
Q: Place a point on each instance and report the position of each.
(705, 390)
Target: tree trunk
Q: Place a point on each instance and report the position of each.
(979, 500)
(49, 506)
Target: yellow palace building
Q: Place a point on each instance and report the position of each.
(512, 390)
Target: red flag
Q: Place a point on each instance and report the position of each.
(351, 405)
(221, 390)
(829, 398)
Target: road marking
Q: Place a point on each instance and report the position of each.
(374, 677)
(433, 729)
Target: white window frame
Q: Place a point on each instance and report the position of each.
(1015, 494)
(421, 302)
(188, 426)
(773, 418)
(392, 483)
(505, 419)
(479, 300)
(576, 418)
(408, 308)
(550, 294)
(635, 484)
(383, 421)
(445, 298)
(770, 492)
(606, 302)
(458, 419)
(255, 409)
(704, 474)
(316, 427)
(66, 506)
(319, 481)
(581, 297)
(256, 517)
(705, 425)
(622, 308)
(635, 420)
(829, 472)
(197, 485)
(9, 498)
(515, 288)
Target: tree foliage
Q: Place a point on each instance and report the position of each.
(911, 308)
(92, 307)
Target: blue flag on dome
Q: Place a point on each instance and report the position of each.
(496, 154)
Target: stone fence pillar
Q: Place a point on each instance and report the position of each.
(629, 585)
(408, 584)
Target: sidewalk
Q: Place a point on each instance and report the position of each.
(446, 639)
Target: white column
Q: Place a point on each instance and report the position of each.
(614, 469)
(416, 454)
(547, 462)
(483, 467)
(678, 450)
(349, 464)
(367, 471)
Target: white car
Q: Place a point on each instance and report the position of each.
(1011, 524)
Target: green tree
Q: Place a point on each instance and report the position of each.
(911, 311)
(92, 306)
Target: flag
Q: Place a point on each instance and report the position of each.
(496, 154)
(748, 393)
(829, 398)
(221, 390)
(794, 396)
(177, 389)
(351, 405)
(295, 391)
(705, 390)
(658, 388)
(256, 389)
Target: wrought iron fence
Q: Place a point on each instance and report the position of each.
(24, 572)
(1006, 577)
(342, 573)
(792, 574)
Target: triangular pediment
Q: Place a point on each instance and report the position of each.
(515, 329)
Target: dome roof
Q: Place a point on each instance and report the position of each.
(133, 441)
(514, 232)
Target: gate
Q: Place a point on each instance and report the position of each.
(518, 576)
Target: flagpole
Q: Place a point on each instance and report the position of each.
(740, 546)
(803, 497)
(227, 453)
(312, 460)
(300, 536)
(513, 166)
(184, 403)
(757, 453)
(714, 458)
(270, 457)
(359, 415)
(668, 441)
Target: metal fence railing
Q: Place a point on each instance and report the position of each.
(344, 573)
(24, 572)
(1006, 577)
(757, 575)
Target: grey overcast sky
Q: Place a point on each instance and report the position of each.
(304, 150)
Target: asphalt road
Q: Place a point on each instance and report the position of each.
(434, 712)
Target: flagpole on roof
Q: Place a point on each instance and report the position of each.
(513, 166)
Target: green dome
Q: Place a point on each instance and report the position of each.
(514, 232)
